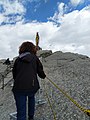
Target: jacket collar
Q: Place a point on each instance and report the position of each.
(23, 54)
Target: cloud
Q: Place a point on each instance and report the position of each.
(24, 1)
(13, 8)
(76, 2)
(59, 14)
(13, 35)
(73, 34)
(12, 11)
(31, 1)
(46, 1)
(2, 18)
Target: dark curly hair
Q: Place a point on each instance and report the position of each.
(27, 47)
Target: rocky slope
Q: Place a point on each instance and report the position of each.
(71, 72)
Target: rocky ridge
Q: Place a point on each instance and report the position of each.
(71, 72)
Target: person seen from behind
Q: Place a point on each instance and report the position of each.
(25, 70)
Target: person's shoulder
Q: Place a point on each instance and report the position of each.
(16, 60)
(35, 56)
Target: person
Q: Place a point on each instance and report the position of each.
(25, 70)
(7, 62)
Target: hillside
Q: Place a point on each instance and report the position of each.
(71, 72)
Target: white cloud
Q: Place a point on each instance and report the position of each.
(30, 1)
(76, 2)
(61, 8)
(2, 18)
(14, 8)
(73, 35)
(74, 32)
(59, 14)
(12, 36)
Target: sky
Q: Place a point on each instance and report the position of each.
(63, 25)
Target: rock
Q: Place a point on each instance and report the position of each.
(44, 53)
(71, 72)
(2, 61)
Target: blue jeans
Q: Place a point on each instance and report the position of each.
(21, 100)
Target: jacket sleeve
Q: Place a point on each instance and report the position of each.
(40, 70)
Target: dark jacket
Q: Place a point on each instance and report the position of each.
(25, 70)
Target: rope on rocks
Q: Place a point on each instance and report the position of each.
(87, 111)
(54, 114)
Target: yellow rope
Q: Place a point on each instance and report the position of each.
(71, 99)
(54, 114)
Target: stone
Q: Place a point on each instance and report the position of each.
(71, 72)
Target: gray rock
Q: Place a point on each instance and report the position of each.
(71, 72)
(44, 53)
